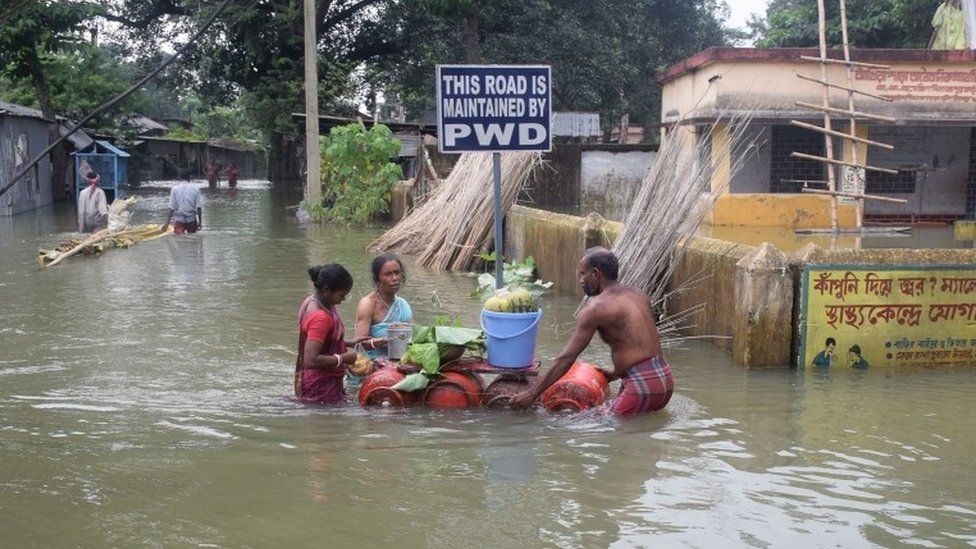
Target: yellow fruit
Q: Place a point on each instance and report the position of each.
(494, 304)
(362, 366)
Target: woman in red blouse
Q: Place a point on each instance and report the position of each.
(322, 352)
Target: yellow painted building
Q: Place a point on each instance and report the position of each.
(930, 95)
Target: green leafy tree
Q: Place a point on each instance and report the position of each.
(871, 23)
(604, 54)
(357, 173)
(32, 32)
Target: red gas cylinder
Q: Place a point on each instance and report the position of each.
(377, 389)
(582, 387)
(454, 390)
(498, 394)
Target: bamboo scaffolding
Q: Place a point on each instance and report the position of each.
(845, 88)
(825, 99)
(859, 114)
(843, 163)
(852, 121)
(858, 196)
(828, 61)
(842, 135)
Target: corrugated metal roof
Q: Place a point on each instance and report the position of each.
(576, 124)
(80, 140)
(146, 124)
(14, 109)
(109, 148)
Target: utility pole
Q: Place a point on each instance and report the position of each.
(313, 178)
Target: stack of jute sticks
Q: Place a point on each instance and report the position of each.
(675, 196)
(454, 225)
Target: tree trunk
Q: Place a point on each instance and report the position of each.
(285, 158)
(59, 159)
(472, 45)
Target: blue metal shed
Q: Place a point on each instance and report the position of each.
(111, 163)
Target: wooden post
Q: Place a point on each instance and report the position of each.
(852, 124)
(828, 142)
(313, 177)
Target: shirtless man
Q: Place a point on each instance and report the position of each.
(623, 317)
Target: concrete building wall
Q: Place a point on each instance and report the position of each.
(22, 138)
(612, 176)
(610, 180)
(936, 158)
(557, 188)
(971, 185)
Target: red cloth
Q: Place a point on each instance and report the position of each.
(179, 227)
(321, 386)
(647, 387)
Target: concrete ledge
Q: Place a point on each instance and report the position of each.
(964, 230)
(556, 242)
(799, 211)
(705, 274)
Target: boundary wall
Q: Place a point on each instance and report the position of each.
(749, 295)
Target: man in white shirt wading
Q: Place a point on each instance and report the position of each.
(184, 209)
(92, 207)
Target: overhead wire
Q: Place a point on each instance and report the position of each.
(132, 89)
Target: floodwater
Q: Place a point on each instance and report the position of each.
(144, 401)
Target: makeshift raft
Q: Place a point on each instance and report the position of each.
(98, 242)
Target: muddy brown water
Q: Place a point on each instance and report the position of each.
(144, 401)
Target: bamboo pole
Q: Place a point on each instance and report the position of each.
(826, 60)
(843, 163)
(852, 121)
(825, 98)
(827, 108)
(842, 135)
(859, 196)
(839, 87)
(97, 237)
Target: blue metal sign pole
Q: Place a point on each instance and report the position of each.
(499, 242)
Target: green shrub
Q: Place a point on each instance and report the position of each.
(357, 172)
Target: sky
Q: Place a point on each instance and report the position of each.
(741, 10)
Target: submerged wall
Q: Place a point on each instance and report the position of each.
(556, 242)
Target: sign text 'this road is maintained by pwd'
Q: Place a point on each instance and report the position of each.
(494, 108)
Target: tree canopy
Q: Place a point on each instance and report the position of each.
(605, 54)
(871, 23)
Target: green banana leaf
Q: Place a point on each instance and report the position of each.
(451, 335)
(423, 334)
(413, 382)
(425, 355)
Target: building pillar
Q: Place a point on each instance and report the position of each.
(971, 182)
(762, 331)
(721, 160)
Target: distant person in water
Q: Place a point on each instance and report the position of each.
(211, 171)
(184, 209)
(381, 307)
(323, 353)
(92, 206)
(624, 318)
(232, 173)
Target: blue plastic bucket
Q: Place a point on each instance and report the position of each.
(511, 337)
